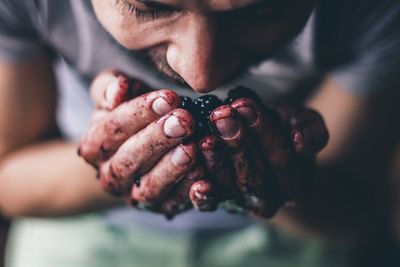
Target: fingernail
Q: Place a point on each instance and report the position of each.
(298, 141)
(194, 175)
(201, 196)
(111, 93)
(173, 127)
(160, 106)
(180, 157)
(209, 142)
(227, 127)
(201, 190)
(297, 137)
(248, 114)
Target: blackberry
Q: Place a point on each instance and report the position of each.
(203, 107)
(239, 92)
(187, 103)
(201, 110)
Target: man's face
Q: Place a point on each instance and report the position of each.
(203, 43)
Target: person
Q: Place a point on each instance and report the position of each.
(338, 58)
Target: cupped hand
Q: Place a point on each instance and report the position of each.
(263, 157)
(134, 141)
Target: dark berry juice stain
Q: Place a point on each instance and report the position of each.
(202, 107)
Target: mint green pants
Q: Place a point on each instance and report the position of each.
(87, 241)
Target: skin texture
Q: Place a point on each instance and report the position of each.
(341, 202)
(129, 140)
(135, 144)
(187, 45)
(268, 169)
(19, 200)
(204, 43)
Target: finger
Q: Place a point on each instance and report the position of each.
(197, 172)
(102, 139)
(211, 149)
(286, 112)
(175, 204)
(97, 116)
(218, 165)
(111, 88)
(233, 135)
(265, 201)
(298, 141)
(261, 192)
(309, 132)
(167, 172)
(141, 151)
(275, 147)
(177, 200)
(203, 196)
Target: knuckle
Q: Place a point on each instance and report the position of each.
(110, 186)
(147, 193)
(111, 182)
(87, 152)
(123, 167)
(114, 128)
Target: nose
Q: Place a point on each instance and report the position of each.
(198, 53)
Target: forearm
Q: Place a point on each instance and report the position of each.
(49, 179)
(27, 102)
(353, 184)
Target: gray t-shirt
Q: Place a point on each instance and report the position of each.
(356, 42)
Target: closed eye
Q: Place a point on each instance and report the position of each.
(145, 11)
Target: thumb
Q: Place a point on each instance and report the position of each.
(111, 88)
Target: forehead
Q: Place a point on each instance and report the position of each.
(208, 4)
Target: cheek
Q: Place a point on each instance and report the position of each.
(271, 35)
(124, 28)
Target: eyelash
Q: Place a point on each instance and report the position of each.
(140, 13)
(153, 14)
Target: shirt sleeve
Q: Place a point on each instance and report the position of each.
(18, 38)
(372, 35)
